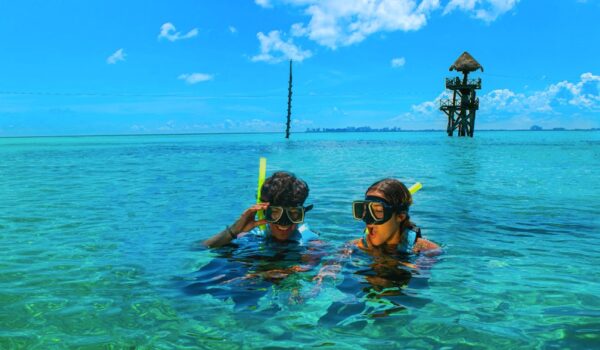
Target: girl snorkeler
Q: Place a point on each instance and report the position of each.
(389, 231)
(388, 265)
(385, 210)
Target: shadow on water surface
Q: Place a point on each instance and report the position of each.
(247, 271)
(377, 287)
(368, 288)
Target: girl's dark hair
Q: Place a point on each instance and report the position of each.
(285, 189)
(397, 194)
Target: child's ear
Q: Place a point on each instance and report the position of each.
(400, 217)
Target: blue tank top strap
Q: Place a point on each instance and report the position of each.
(409, 242)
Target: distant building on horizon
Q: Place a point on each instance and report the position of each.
(355, 129)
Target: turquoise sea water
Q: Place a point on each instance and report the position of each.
(99, 242)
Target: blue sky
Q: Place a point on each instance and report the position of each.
(137, 67)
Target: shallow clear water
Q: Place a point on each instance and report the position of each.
(99, 242)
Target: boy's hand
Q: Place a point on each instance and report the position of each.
(247, 220)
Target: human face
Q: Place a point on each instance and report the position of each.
(282, 232)
(286, 215)
(372, 210)
(284, 220)
(387, 232)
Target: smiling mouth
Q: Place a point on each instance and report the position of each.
(283, 228)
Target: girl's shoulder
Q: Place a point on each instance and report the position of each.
(423, 245)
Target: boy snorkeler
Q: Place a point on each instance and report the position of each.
(255, 254)
(282, 197)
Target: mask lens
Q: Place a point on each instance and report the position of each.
(377, 210)
(296, 214)
(358, 209)
(273, 214)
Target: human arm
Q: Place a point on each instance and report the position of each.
(427, 247)
(245, 223)
(331, 268)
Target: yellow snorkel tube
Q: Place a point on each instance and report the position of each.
(262, 174)
(415, 188)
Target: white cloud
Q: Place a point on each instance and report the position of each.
(486, 10)
(273, 49)
(137, 128)
(263, 3)
(398, 62)
(302, 123)
(423, 111)
(224, 125)
(168, 126)
(194, 78)
(503, 108)
(556, 98)
(337, 23)
(168, 31)
(119, 55)
(232, 29)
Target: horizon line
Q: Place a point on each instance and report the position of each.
(281, 132)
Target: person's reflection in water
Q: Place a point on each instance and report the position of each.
(247, 271)
(377, 286)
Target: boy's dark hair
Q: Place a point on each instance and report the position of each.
(285, 189)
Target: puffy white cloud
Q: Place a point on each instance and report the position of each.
(168, 31)
(273, 49)
(194, 78)
(337, 23)
(504, 108)
(582, 95)
(117, 56)
(486, 10)
(423, 111)
(398, 62)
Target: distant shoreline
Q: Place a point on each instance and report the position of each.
(297, 132)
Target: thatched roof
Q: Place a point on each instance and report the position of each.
(466, 63)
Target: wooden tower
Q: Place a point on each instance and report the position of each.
(461, 108)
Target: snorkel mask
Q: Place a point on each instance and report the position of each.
(375, 210)
(286, 216)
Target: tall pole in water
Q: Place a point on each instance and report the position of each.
(289, 112)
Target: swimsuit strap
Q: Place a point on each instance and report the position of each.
(409, 241)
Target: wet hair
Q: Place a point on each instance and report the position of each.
(285, 189)
(397, 194)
